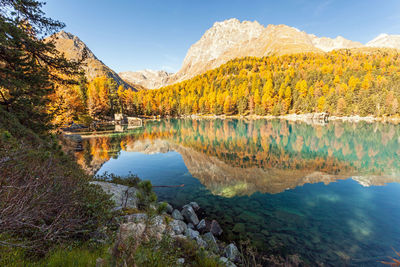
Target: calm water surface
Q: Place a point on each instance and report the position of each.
(330, 194)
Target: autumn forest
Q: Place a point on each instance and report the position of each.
(343, 83)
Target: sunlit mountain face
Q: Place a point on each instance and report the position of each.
(327, 194)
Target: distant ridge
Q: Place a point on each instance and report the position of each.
(150, 79)
(385, 40)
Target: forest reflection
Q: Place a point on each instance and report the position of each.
(236, 157)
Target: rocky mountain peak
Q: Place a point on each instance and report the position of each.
(385, 40)
(71, 45)
(75, 49)
(328, 44)
(150, 79)
(221, 37)
(231, 38)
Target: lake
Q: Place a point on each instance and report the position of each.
(328, 193)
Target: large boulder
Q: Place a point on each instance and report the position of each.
(178, 226)
(189, 214)
(131, 230)
(192, 234)
(142, 229)
(170, 209)
(176, 214)
(122, 195)
(202, 225)
(227, 262)
(194, 205)
(200, 242)
(211, 241)
(231, 252)
(137, 217)
(215, 229)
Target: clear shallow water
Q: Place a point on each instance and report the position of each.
(285, 186)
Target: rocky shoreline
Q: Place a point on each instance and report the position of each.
(176, 223)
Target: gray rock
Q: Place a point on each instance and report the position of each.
(176, 214)
(215, 229)
(178, 226)
(170, 209)
(223, 259)
(227, 262)
(231, 252)
(122, 195)
(138, 217)
(211, 241)
(200, 242)
(179, 236)
(209, 238)
(194, 205)
(100, 262)
(190, 225)
(202, 225)
(180, 261)
(189, 215)
(192, 234)
(117, 209)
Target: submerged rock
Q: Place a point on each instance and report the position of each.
(215, 229)
(189, 215)
(176, 214)
(123, 196)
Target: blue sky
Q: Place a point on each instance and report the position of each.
(156, 34)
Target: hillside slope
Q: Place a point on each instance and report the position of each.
(45, 198)
(231, 39)
(75, 49)
(364, 81)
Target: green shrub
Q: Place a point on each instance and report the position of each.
(146, 196)
(45, 198)
(165, 253)
(162, 207)
(62, 256)
(130, 180)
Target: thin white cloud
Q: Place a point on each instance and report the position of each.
(322, 6)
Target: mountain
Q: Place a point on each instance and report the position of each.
(385, 40)
(232, 39)
(149, 79)
(225, 180)
(74, 49)
(328, 44)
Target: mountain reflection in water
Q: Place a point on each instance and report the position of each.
(233, 157)
(240, 173)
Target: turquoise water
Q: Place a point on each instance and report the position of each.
(330, 194)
